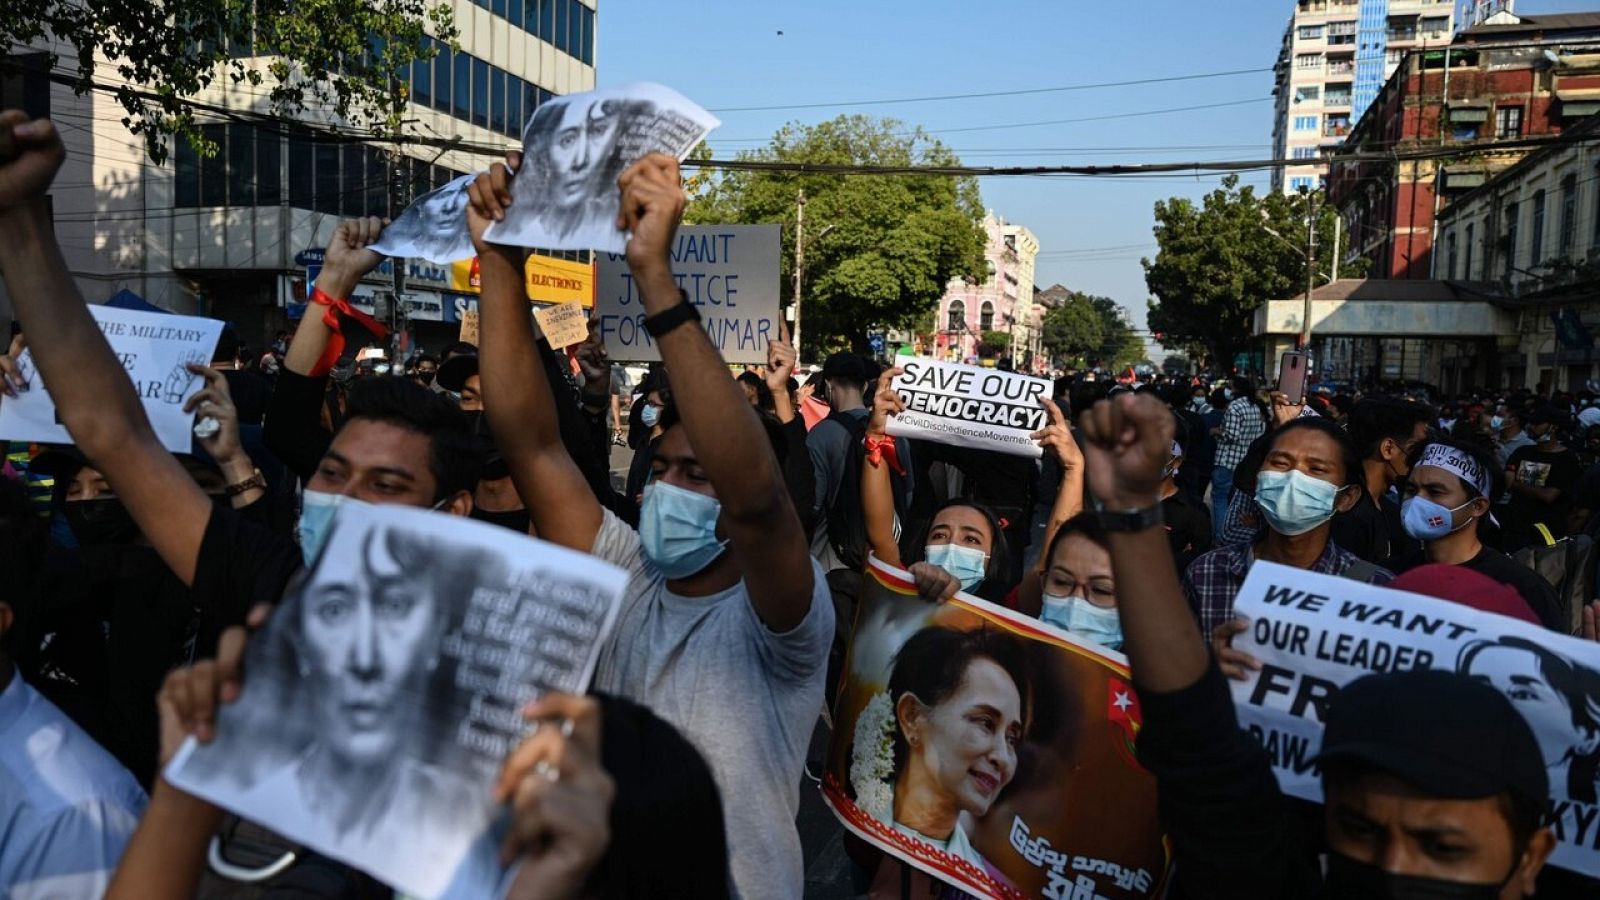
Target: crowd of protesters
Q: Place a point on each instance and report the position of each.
(131, 579)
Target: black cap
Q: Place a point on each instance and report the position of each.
(1447, 735)
(454, 372)
(58, 461)
(1545, 414)
(845, 364)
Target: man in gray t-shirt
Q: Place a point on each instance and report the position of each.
(746, 696)
(725, 628)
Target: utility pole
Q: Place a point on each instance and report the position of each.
(1311, 269)
(799, 261)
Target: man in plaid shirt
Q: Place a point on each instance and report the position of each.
(1241, 424)
(1310, 472)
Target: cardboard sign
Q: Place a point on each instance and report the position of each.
(394, 775)
(469, 327)
(1067, 813)
(969, 406)
(153, 348)
(730, 272)
(1314, 633)
(562, 325)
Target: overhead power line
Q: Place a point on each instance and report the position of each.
(1012, 93)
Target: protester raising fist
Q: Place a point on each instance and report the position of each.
(30, 154)
(1128, 443)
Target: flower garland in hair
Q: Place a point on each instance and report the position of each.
(872, 758)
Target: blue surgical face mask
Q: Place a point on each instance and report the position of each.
(650, 416)
(966, 563)
(1227, 393)
(1496, 422)
(316, 519)
(678, 529)
(1076, 615)
(1426, 520)
(1294, 502)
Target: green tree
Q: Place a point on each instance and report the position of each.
(892, 241)
(338, 58)
(1120, 345)
(1220, 260)
(1073, 331)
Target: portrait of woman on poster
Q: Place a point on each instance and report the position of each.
(960, 709)
(1547, 689)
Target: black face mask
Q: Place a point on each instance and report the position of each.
(1352, 880)
(97, 523)
(517, 520)
(426, 377)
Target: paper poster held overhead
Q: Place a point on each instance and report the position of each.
(154, 348)
(575, 147)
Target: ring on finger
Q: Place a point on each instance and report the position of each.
(544, 770)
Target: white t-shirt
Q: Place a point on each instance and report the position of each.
(744, 695)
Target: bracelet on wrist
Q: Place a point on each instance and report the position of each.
(256, 480)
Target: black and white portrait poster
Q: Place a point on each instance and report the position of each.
(433, 227)
(386, 691)
(573, 150)
(1316, 633)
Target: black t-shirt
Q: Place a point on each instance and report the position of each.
(1539, 468)
(241, 563)
(1363, 530)
(1188, 527)
(250, 393)
(1538, 593)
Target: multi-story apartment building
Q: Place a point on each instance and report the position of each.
(1335, 56)
(1026, 323)
(1000, 303)
(226, 236)
(1492, 94)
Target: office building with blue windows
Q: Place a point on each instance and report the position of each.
(221, 235)
(1334, 58)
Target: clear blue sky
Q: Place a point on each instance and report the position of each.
(728, 53)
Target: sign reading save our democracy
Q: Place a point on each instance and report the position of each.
(968, 406)
(154, 348)
(1313, 634)
(730, 274)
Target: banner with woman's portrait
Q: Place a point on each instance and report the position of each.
(991, 750)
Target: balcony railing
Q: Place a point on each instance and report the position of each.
(1334, 130)
(1332, 99)
(1341, 68)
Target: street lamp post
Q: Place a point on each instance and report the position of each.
(800, 258)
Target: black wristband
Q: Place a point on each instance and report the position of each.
(1133, 520)
(670, 318)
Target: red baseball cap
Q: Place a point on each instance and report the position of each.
(1462, 585)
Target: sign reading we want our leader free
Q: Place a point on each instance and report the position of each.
(968, 406)
(1313, 634)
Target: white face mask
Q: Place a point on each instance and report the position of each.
(1076, 615)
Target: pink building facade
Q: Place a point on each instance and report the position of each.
(1003, 302)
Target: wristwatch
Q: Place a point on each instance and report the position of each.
(670, 318)
(1132, 520)
(256, 480)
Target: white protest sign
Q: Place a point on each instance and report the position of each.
(153, 348)
(729, 272)
(391, 770)
(969, 406)
(1315, 633)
